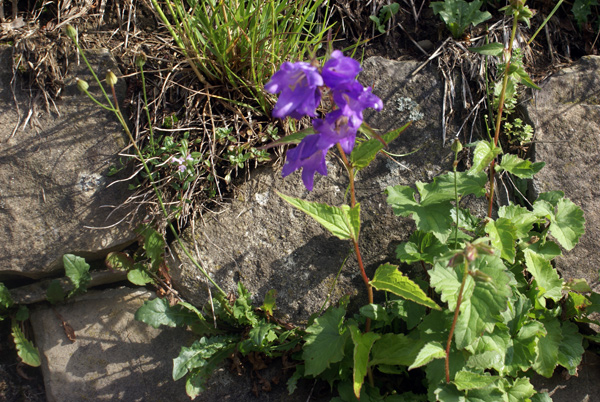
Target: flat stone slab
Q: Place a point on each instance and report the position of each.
(266, 244)
(53, 174)
(566, 117)
(115, 357)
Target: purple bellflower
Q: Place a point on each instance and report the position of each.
(300, 95)
(299, 86)
(308, 156)
(339, 70)
(352, 98)
(333, 129)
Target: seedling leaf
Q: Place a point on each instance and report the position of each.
(25, 348)
(77, 270)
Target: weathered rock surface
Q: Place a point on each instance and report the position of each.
(115, 357)
(265, 243)
(566, 117)
(53, 175)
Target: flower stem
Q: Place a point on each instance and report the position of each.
(366, 280)
(456, 310)
(508, 56)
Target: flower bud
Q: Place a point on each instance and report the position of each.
(82, 85)
(111, 78)
(480, 276)
(71, 32)
(456, 146)
(140, 60)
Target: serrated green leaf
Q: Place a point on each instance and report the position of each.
(395, 350)
(119, 261)
(459, 14)
(259, 333)
(139, 277)
(195, 384)
(435, 218)
(55, 293)
(243, 311)
(375, 312)
(548, 283)
(551, 197)
(343, 222)
(442, 187)
(481, 301)
(570, 350)
(5, 298)
(325, 342)
(520, 217)
(525, 347)
(575, 305)
(158, 312)
(77, 270)
(490, 351)
(483, 155)
(436, 374)
(446, 281)
(364, 152)
(491, 49)
(412, 313)
(568, 224)
(421, 246)
(577, 285)
(519, 167)
(204, 354)
(429, 352)
(389, 278)
(25, 348)
(362, 348)
(547, 355)
(547, 250)
(502, 234)
(466, 380)
(519, 390)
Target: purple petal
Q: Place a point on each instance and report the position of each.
(335, 129)
(307, 156)
(299, 85)
(339, 70)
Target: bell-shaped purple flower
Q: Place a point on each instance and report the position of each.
(308, 156)
(299, 86)
(352, 98)
(339, 70)
(333, 129)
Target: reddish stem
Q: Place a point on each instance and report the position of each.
(355, 241)
(458, 303)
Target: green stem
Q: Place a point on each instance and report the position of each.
(545, 21)
(456, 200)
(456, 311)
(119, 115)
(508, 56)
